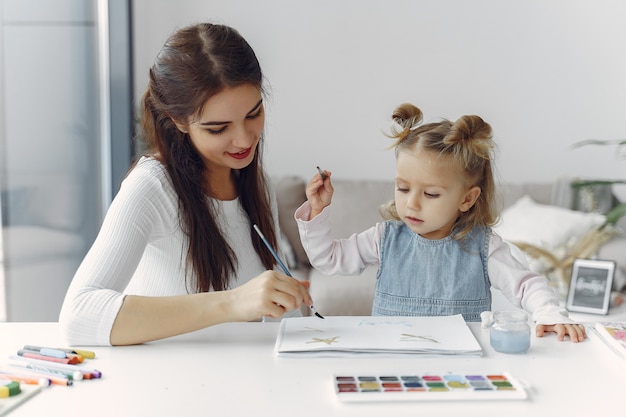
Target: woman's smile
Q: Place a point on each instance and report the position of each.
(241, 154)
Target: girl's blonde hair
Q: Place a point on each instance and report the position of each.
(469, 146)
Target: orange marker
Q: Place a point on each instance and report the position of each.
(76, 357)
(43, 382)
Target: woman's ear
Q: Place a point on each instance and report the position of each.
(181, 126)
(470, 198)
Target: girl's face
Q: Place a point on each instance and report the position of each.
(228, 130)
(430, 193)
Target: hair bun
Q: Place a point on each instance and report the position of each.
(473, 134)
(468, 128)
(407, 115)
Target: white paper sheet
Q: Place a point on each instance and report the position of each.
(357, 335)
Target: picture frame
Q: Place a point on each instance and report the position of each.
(590, 286)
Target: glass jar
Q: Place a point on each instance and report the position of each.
(510, 332)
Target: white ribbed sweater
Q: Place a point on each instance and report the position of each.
(141, 250)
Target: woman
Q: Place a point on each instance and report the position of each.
(176, 251)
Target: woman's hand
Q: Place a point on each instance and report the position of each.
(576, 332)
(270, 294)
(319, 193)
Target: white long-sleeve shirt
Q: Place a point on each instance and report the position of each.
(141, 249)
(350, 256)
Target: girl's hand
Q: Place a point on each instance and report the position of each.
(319, 192)
(270, 294)
(576, 332)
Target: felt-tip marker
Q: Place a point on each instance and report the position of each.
(55, 353)
(87, 354)
(84, 354)
(26, 379)
(87, 373)
(32, 354)
(55, 377)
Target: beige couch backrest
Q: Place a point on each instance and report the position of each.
(356, 205)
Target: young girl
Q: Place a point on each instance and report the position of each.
(436, 253)
(177, 251)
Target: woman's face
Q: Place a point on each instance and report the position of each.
(227, 131)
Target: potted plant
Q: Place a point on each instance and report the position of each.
(591, 189)
(589, 195)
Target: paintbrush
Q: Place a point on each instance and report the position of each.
(282, 265)
(321, 173)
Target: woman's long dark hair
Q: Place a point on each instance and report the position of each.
(196, 63)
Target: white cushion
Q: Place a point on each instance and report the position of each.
(544, 225)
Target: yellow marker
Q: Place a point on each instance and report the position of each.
(86, 354)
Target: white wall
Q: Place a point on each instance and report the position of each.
(544, 73)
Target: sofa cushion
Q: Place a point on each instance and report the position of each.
(343, 295)
(544, 225)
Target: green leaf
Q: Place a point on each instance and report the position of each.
(591, 183)
(616, 213)
(618, 142)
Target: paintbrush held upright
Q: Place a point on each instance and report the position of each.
(322, 173)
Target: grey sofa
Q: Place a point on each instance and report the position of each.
(355, 208)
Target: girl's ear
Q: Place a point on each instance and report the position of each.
(470, 198)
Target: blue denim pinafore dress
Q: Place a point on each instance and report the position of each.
(422, 277)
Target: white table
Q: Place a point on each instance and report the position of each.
(231, 370)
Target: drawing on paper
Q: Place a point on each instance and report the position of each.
(328, 341)
(406, 337)
(354, 335)
(311, 329)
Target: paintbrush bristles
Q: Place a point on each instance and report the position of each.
(321, 173)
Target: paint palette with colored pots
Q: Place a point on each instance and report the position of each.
(428, 387)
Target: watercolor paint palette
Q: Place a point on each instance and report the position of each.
(428, 387)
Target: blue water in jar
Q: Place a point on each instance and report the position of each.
(510, 332)
(510, 341)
